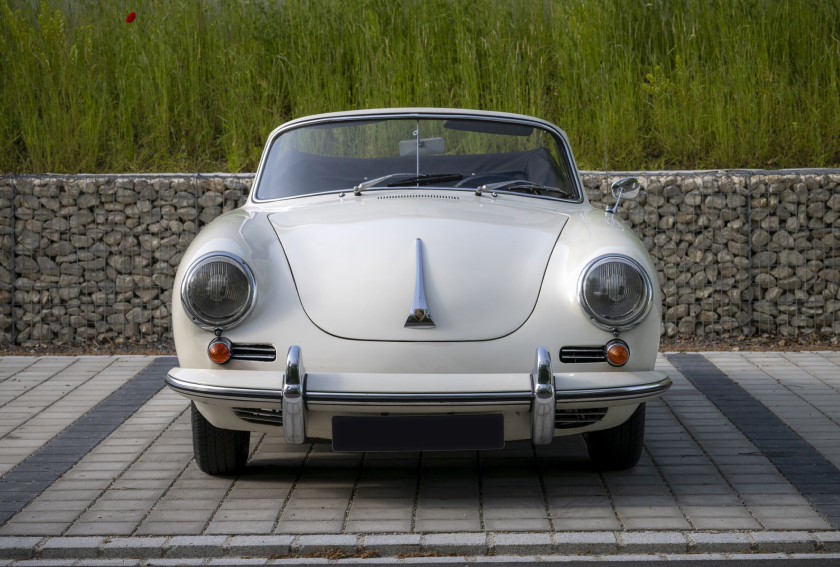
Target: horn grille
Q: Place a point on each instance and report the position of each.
(571, 418)
(262, 416)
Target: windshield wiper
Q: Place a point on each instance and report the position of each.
(520, 186)
(411, 180)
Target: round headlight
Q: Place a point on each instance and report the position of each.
(615, 292)
(218, 291)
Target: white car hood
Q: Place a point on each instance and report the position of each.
(354, 261)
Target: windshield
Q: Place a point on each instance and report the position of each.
(410, 152)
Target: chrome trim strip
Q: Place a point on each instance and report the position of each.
(455, 398)
(418, 317)
(621, 393)
(294, 383)
(222, 393)
(542, 414)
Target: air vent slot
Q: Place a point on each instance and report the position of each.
(581, 354)
(419, 196)
(571, 418)
(258, 353)
(262, 416)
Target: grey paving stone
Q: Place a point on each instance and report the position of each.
(128, 547)
(71, 547)
(784, 542)
(265, 545)
(102, 528)
(652, 542)
(794, 523)
(377, 526)
(111, 562)
(394, 513)
(522, 543)
(655, 523)
(311, 527)
(239, 561)
(392, 544)
(168, 528)
(41, 563)
(828, 541)
(308, 544)
(573, 543)
(518, 525)
(433, 525)
(587, 524)
(722, 542)
(513, 513)
(18, 547)
(195, 546)
(712, 523)
(306, 514)
(32, 529)
(458, 543)
(237, 527)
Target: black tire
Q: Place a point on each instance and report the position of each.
(620, 447)
(218, 451)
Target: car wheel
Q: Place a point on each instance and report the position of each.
(619, 447)
(218, 451)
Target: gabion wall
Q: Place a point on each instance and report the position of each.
(92, 258)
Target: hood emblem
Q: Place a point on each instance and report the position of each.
(418, 317)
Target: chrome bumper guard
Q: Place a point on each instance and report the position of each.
(294, 382)
(542, 413)
(543, 396)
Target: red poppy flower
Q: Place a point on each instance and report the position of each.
(130, 18)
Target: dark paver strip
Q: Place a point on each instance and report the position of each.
(804, 467)
(27, 480)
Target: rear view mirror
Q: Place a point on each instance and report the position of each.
(624, 188)
(426, 146)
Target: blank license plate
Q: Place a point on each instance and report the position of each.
(418, 433)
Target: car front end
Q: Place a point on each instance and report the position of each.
(429, 309)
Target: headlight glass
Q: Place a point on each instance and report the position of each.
(218, 291)
(615, 292)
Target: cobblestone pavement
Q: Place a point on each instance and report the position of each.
(741, 455)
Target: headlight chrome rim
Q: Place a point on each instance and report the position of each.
(195, 317)
(638, 314)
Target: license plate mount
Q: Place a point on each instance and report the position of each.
(418, 433)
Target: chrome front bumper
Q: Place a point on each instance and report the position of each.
(543, 396)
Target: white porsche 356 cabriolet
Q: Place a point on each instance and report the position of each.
(417, 279)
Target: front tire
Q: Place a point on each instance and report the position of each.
(218, 451)
(619, 447)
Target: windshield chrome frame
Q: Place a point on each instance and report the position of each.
(430, 114)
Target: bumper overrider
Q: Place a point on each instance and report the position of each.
(300, 391)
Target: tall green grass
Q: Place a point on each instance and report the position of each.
(197, 85)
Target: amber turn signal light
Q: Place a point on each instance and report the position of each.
(219, 350)
(618, 353)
